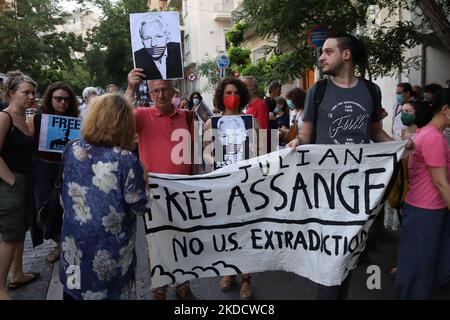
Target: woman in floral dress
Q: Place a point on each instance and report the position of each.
(103, 192)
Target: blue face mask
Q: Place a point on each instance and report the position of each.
(290, 104)
(399, 98)
(196, 101)
(276, 110)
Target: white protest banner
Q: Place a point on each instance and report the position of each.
(306, 212)
(57, 131)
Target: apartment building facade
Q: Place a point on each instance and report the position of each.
(434, 57)
(204, 24)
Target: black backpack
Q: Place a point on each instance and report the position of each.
(321, 86)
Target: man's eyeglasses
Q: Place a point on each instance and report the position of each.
(160, 90)
(59, 99)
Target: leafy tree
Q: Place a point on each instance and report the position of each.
(78, 76)
(436, 14)
(109, 56)
(239, 57)
(288, 21)
(235, 36)
(208, 69)
(30, 41)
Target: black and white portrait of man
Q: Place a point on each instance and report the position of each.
(156, 44)
(234, 134)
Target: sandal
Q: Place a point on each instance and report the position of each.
(246, 289)
(159, 294)
(227, 282)
(53, 256)
(16, 285)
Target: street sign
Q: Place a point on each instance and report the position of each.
(223, 61)
(192, 76)
(317, 36)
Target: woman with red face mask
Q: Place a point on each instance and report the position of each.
(230, 98)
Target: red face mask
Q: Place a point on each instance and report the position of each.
(231, 102)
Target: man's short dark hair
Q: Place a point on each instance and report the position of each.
(440, 99)
(274, 85)
(432, 88)
(356, 46)
(406, 87)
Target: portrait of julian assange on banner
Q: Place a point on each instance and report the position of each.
(232, 137)
(156, 44)
(307, 212)
(57, 131)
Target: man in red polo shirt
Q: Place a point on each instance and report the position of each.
(259, 110)
(156, 127)
(256, 106)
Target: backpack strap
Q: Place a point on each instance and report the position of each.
(376, 98)
(321, 86)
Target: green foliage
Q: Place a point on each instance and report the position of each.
(109, 57)
(239, 56)
(261, 72)
(289, 21)
(78, 77)
(235, 36)
(208, 69)
(31, 44)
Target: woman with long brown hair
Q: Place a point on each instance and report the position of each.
(58, 99)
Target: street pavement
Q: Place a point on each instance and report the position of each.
(273, 285)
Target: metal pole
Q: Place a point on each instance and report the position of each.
(318, 63)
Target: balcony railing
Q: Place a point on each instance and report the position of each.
(223, 11)
(220, 49)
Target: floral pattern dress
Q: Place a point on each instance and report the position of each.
(103, 191)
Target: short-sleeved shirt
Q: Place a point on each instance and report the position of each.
(258, 109)
(156, 148)
(431, 150)
(344, 115)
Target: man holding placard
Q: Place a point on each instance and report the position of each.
(155, 127)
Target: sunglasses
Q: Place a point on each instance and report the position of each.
(59, 99)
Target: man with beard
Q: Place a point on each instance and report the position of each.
(347, 111)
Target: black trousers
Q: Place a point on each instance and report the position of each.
(339, 292)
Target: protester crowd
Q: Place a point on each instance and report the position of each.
(101, 179)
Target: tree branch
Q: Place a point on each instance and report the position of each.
(437, 20)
